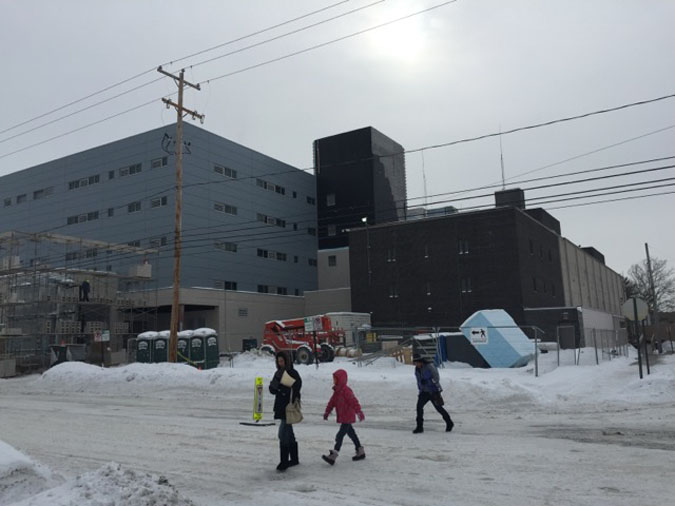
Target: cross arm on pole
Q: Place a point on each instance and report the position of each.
(185, 110)
(169, 74)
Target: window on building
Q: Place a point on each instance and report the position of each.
(428, 288)
(331, 230)
(225, 171)
(393, 292)
(243, 312)
(231, 285)
(225, 208)
(92, 216)
(391, 254)
(312, 262)
(159, 162)
(311, 201)
(311, 230)
(263, 289)
(426, 251)
(226, 246)
(295, 226)
(20, 199)
(295, 259)
(281, 256)
(297, 291)
(463, 247)
(465, 285)
(38, 194)
(134, 244)
(111, 212)
(332, 260)
(282, 290)
(263, 253)
(330, 200)
(159, 201)
(134, 207)
(534, 283)
(111, 174)
(295, 195)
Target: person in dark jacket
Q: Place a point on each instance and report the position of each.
(347, 409)
(288, 446)
(429, 387)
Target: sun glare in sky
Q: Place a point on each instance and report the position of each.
(404, 42)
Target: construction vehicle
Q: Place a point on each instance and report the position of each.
(290, 335)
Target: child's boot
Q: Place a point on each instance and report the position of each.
(360, 454)
(330, 458)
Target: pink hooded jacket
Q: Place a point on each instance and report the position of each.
(343, 400)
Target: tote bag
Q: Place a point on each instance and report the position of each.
(293, 411)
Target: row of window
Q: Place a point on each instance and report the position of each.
(132, 207)
(78, 183)
(271, 187)
(232, 285)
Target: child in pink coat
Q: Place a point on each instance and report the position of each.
(347, 408)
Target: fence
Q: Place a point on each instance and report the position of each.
(548, 352)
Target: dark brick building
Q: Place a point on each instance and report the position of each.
(438, 271)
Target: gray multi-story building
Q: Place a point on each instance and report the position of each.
(249, 221)
(249, 224)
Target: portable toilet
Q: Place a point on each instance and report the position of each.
(160, 347)
(144, 345)
(211, 353)
(183, 346)
(197, 350)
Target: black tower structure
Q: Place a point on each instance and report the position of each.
(359, 175)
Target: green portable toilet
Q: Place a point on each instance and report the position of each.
(211, 352)
(183, 345)
(160, 347)
(197, 351)
(144, 344)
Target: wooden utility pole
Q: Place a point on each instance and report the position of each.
(181, 112)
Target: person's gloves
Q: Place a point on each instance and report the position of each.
(325, 416)
(361, 416)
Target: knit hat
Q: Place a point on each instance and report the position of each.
(418, 358)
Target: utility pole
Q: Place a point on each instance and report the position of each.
(181, 112)
(655, 305)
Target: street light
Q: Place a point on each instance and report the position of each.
(365, 221)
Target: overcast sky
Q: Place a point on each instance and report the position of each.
(465, 69)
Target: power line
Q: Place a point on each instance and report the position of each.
(136, 88)
(327, 43)
(150, 70)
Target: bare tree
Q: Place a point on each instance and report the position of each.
(664, 283)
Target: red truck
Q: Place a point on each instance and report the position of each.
(290, 335)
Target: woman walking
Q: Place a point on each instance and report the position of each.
(285, 386)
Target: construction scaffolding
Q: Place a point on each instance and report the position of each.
(66, 298)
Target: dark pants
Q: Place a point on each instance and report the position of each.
(286, 434)
(346, 429)
(422, 399)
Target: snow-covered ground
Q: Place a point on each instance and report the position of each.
(155, 434)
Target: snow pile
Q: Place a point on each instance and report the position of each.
(24, 483)
(610, 382)
(20, 477)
